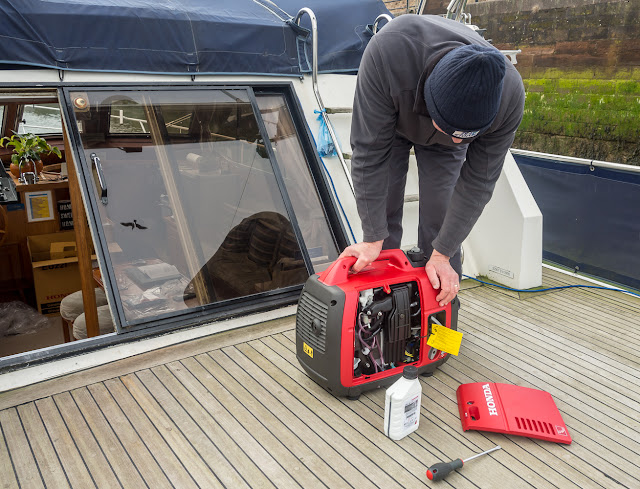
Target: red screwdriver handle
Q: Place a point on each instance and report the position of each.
(440, 470)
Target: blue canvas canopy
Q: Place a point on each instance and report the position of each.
(184, 36)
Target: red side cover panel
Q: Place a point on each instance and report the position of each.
(511, 409)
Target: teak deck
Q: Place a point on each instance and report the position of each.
(236, 410)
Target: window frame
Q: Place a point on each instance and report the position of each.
(232, 307)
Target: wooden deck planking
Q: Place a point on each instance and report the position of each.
(123, 429)
(200, 426)
(26, 471)
(74, 464)
(258, 417)
(245, 363)
(120, 461)
(583, 326)
(606, 331)
(552, 332)
(541, 375)
(556, 358)
(42, 448)
(410, 453)
(159, 436)
(601, 390)
(237, 410)
(8, 476)
(548, 459)
(365, 449)
(270, 409)
(584, 400)
(267, 461)
(580, 420)
(440, 432)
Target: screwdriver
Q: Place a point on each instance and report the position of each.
(442, 469)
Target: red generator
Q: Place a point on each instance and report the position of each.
(356, 331)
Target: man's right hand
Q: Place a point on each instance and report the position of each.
(366, 253)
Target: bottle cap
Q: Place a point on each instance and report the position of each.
(410, 372)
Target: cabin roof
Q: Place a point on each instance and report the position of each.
(185, 37)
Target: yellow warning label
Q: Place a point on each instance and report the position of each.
(307, 349)
(445, 339)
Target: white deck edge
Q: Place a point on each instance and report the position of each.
(56, 368)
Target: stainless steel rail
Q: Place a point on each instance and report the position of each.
(378, 19)
(455, 10)
(580, 161)
(314, 78)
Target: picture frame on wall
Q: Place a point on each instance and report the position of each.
(39, 206)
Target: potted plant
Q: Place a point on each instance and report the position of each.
(27, 149)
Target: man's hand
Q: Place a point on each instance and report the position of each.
(366, 253)
(442, 276)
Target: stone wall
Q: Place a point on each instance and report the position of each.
(399, 7)
(580, 63)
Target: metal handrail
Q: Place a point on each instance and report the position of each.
(579, 161)
(378, 19)
(314, 79)
(455, 9)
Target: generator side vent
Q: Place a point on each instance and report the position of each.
(311, 321)
(533, 425)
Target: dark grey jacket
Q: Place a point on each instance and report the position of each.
(389, 98)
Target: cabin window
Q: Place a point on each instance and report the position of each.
(40, 118)
(196, 206)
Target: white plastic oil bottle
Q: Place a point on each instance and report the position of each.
(402, 405)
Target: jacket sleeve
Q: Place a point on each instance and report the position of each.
(372, 134)
(478, 177)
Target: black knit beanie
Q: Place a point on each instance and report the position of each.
(463, 91)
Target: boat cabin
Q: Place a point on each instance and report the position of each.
(182, 193)
(189, 187)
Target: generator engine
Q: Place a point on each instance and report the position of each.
(388, 328)
(356, 332)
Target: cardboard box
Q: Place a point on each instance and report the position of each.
(54, 259)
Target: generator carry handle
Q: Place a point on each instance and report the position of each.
(338, 272)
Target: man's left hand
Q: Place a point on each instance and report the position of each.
(442, 276)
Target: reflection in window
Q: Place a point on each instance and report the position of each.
(41, 119)
(300, 186)
(127, 117)
(259, 254)
(195, 215)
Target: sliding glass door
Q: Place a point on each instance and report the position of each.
(200, 197)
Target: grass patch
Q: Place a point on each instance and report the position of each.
(585, 108)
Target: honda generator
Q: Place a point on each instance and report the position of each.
(356, 331)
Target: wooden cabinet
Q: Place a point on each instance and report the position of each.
(16, 275)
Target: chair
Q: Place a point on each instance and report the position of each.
(72, 306)
(105, 323)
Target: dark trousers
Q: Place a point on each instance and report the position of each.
(438, 171)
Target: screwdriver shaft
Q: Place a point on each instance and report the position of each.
(497, 447)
